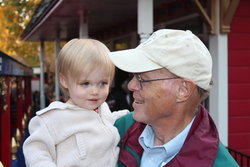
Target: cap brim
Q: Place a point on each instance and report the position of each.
(133, 61)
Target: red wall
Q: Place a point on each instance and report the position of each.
(239, 79)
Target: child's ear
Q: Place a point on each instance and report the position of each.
(185, 90)
(63, 81)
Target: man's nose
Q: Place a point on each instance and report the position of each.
(133, 84)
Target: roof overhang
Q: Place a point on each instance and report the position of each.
(61, 18)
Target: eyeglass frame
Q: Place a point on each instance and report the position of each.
(139, 78)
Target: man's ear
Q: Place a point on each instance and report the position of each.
(185, 90)
(63, 81)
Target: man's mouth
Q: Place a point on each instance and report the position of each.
(138, 101)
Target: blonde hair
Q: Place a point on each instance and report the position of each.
(81, 56)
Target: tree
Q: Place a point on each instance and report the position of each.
(14, 16)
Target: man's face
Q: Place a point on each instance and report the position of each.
(154, 100)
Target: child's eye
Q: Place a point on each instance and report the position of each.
(103, 83)
(85, 84)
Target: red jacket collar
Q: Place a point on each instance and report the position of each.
(201, 145)
(203, 136)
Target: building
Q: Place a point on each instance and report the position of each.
(224, 26)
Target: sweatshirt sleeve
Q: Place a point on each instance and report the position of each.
(39, 147)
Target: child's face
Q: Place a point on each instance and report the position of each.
(90, 92)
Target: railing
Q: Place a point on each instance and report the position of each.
(242, 159)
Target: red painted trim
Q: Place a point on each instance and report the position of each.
(20, 104)
(5, 130)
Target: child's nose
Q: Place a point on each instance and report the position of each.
(94, 89)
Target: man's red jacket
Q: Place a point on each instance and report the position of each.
(201, 148)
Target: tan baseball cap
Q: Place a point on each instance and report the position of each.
(180, 52)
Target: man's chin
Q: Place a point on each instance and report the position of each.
(137, 116)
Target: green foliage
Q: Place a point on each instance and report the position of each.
(14, 16)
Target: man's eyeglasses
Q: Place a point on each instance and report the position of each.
(139, 78)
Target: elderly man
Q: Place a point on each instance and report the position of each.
(169, 127)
